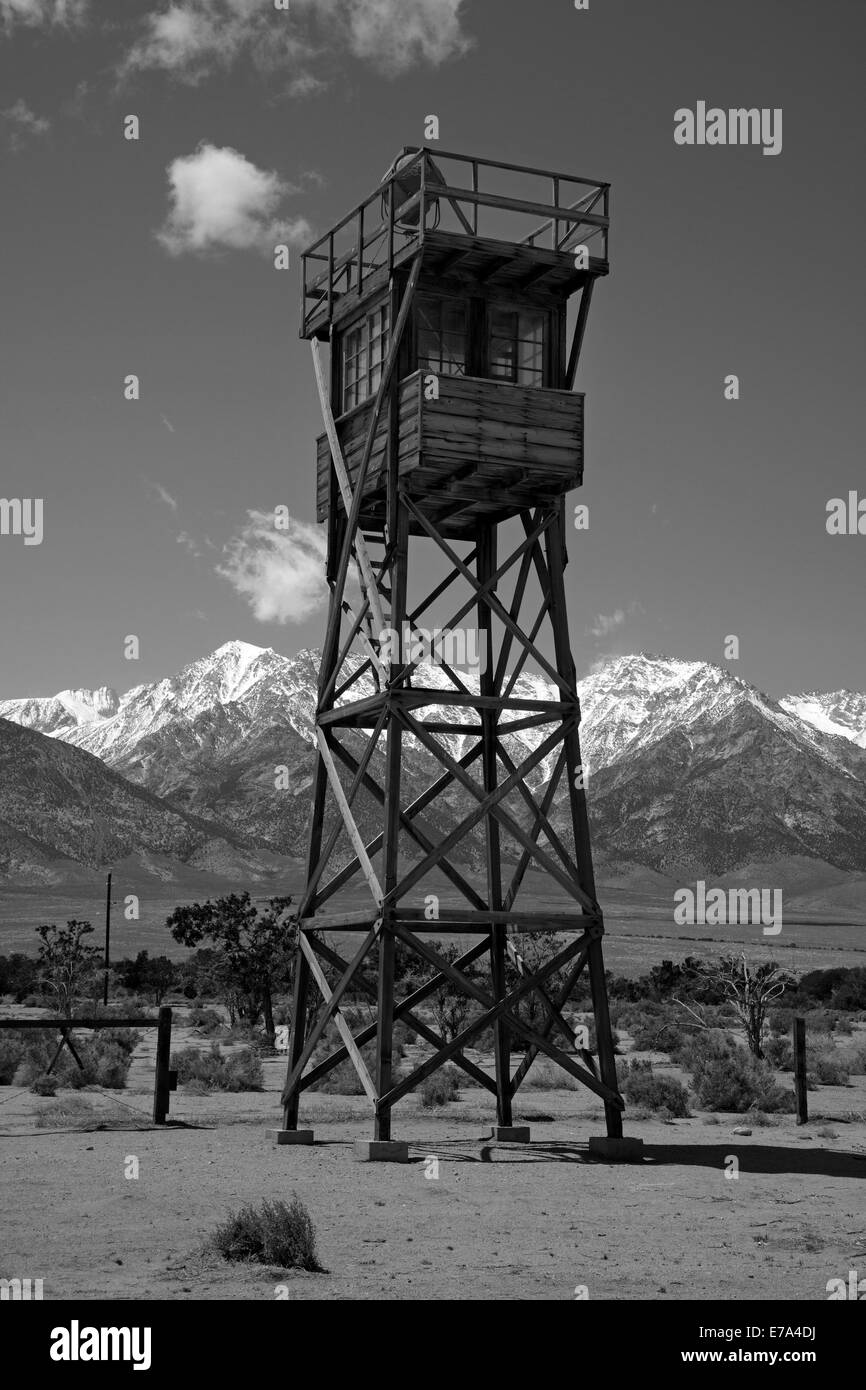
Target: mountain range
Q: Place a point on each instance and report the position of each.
(690, 769)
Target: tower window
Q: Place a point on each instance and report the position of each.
(516, 345)
(365, 347)
(441, 335)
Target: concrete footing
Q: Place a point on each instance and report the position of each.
(381, 1151)
(510, 1134)
(291, 1136)
(616, 1150)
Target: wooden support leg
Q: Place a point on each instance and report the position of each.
(301, 987)
(161, 1085)
(385, 1030)
(391, 842)
(606, 1058)
(580, 822)
(300, 991)
(486, 567)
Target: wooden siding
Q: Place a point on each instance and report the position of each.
(494, 422)
(490, 442)
(352, 430)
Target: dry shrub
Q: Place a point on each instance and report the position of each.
(273, 1233)
(11, 1054)
(652, 1027)
(779, 1053)
(77, 1112)
(211, 1070)
(206, 1021)
(545, 1075)
(440, 1088)
(341, 1080)
(738, 1082)
(661, 1095)
(106, 1056)
(45, 1085)
(828, 1067)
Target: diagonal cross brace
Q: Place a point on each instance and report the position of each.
(360, 545)
(404, 1010)
(325, 854)
(549, 1024)
(494, 1010)
(417, 832)
(489, 804)
(329, 647)
(526, 857)
(489, 598)
(481, 590)
(342, 1026)
(541, 820)
(349, 970)
(430, 794)
(348, 819)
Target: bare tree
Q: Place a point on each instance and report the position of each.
(750, 990)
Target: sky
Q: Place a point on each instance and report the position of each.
(153, 257)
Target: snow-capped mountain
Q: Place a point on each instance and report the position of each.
(64, 713)
(237, 674)
(627, 704)
(841, 712)
(688, 764)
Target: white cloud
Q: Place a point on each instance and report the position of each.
(219, 199)
(165, 496)
(190, 543)
(281, 573)
(305, 84)
(184, 39)
(194, 544)
(23, 122)
(193, 38)
(39, 12)
(396, 34)
(606, 623)
(21, 115)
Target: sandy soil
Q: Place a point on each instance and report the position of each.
(507, 1222)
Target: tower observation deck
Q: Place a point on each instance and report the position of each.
(501, 250)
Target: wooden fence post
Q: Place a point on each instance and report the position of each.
(800, 1070)
(161, 1084)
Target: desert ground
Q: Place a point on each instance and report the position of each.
(537, 1221)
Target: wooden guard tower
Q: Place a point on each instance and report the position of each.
(450, 424)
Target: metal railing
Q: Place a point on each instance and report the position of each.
(450, 193)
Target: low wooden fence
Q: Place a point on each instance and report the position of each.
(165, 1080)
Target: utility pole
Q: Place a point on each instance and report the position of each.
(107, 937)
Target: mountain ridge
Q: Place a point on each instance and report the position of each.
(687, 763)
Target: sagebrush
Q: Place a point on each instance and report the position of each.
(273, 1233)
